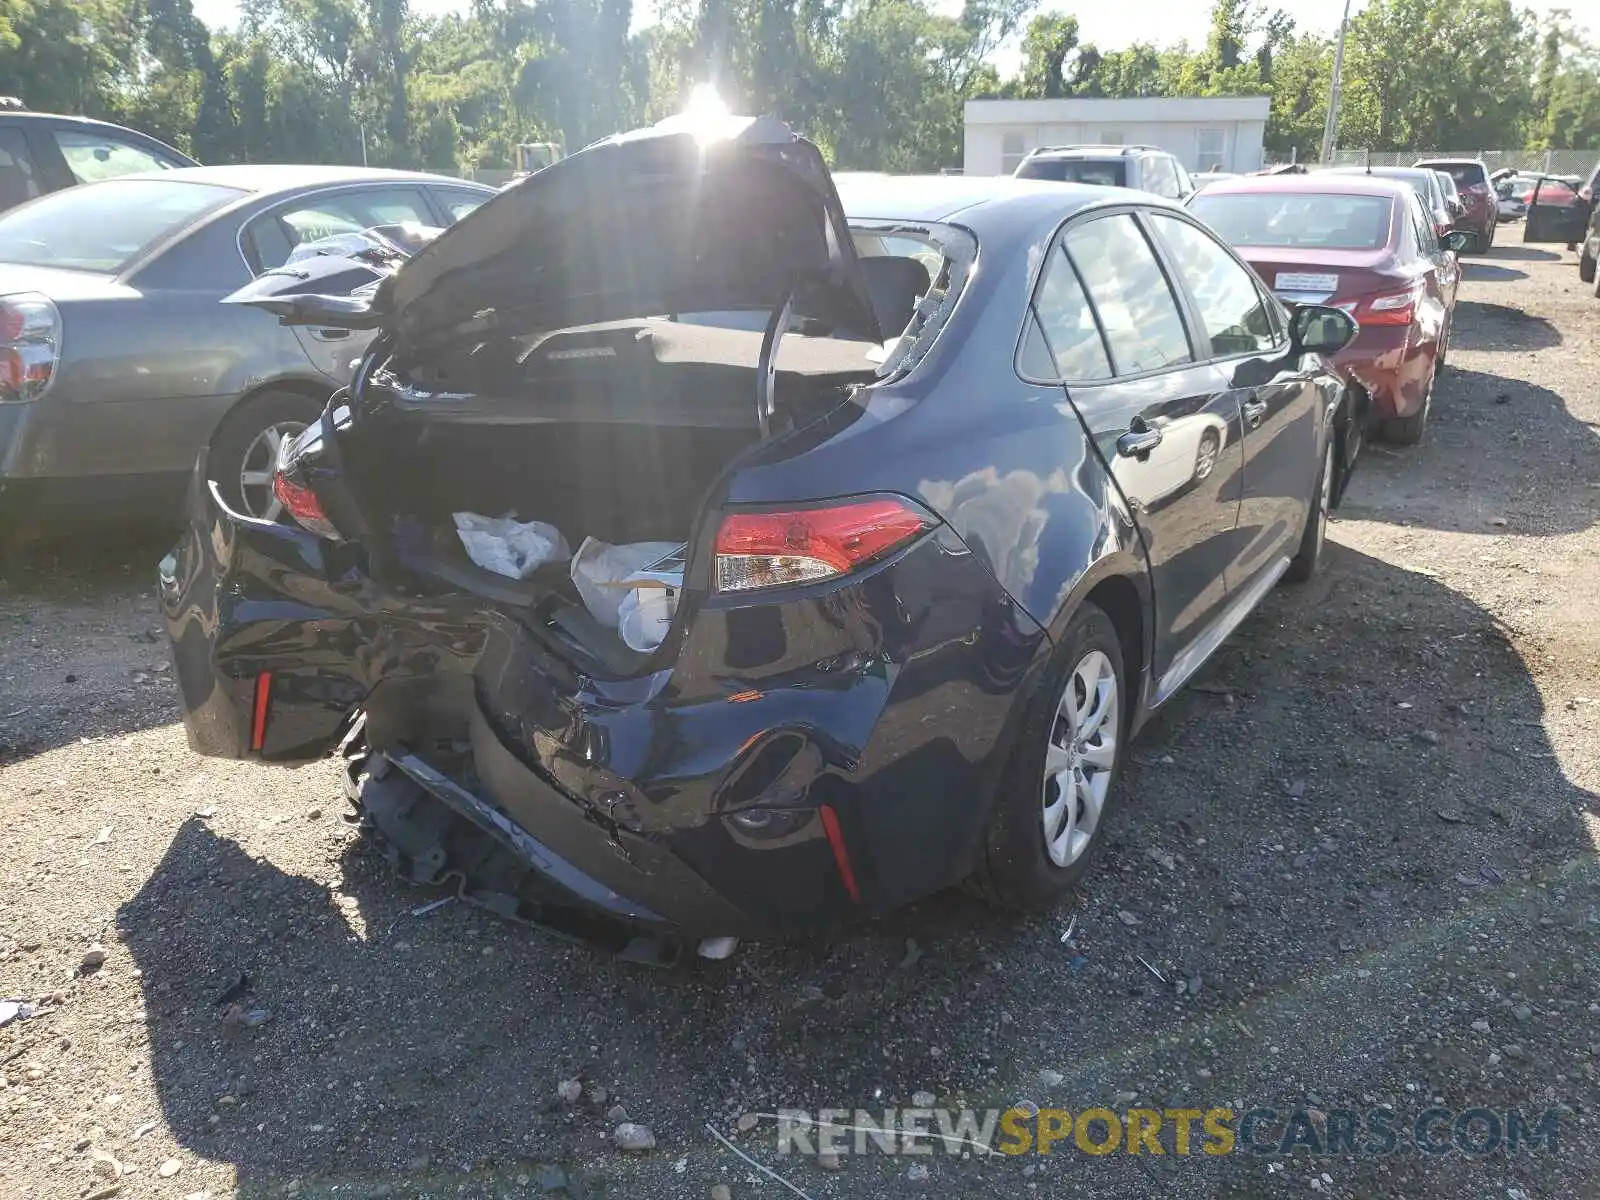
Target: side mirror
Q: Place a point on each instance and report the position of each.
(1456, 207)
(1322, 329)
(1458, 240)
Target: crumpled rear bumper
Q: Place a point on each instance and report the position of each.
(798, 761)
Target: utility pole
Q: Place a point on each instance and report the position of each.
(1330, 128)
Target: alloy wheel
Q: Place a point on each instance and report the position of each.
(257, 466)
(1206, 460)
(1080, 757)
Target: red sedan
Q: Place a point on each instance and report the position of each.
(1366, 245)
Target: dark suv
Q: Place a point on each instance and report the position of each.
(1147, 168)
(45, 152)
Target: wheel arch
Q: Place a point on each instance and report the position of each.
(317, 391)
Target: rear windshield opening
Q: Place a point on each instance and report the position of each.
(1312, 220)
(1101, 172)
(914, 276)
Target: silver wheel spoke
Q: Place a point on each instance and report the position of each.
(1056, 760)
(272, 511)
(256, 478)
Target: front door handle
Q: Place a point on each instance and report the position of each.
(330, 335)
(1254, 409)
(1139, 440)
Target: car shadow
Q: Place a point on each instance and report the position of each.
(1525, 253)
(1442, 484)
(1326, 802)
(1485, 272)
(110, 676)
(1480, 326)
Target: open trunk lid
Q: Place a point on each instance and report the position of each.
(677, 218)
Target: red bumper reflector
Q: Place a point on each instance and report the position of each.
(258, 719)
(841, 855)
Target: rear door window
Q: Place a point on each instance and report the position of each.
(1160, 178)
(458, 202)
(1063, 341)
(92, 157)
(18, 180)
(272, 236)
(1130, 293)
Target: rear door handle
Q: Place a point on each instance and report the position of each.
(1254, 409)
(1141, 439)
(330, 335)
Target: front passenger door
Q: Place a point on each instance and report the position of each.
(1279, 401)
(1168, 433)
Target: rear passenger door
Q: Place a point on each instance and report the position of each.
(1109, 326)
(1243, 336)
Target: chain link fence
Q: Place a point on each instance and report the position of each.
(1550, 162)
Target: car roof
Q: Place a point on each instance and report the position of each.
(1451, 162)
(86, 123)
(1335, 183)
(975, 198)
(264, 178)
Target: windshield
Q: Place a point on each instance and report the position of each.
(1104, 172)
(104, 226)
(1310, 219)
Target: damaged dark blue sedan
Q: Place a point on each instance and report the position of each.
(931, 505)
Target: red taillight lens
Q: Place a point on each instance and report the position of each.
(774, 549)
(301, 503)
(30, 346)
(1389, 308)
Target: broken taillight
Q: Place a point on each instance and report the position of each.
(1387, 308)
(301, 503)
(808, 545)
(30, 346)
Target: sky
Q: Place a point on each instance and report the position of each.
(1109, 26)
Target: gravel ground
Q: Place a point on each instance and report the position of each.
(1366, 842)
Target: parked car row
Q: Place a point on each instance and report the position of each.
(933, 542)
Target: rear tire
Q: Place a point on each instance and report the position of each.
(241, 448)
(1024, 865)
(1407, 431)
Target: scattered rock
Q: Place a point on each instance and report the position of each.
(93, 959)
(827, 1160)
(747, 1122)
(1511, 1051)
(1427, 735)
(917, 1173)
(551, 1178)
(1051, 1078)
(1127, 918)
(1480, 1026)
(313, 814)
(923, 1099)
(633, 1138)
(1162, 858)
(721, 1191)
(1450, 815)
(912, 955)
(616, 1114)
(570, 1091)
(106, 1164)
(1522, 1012)
(169, 1168)
(596, 1094)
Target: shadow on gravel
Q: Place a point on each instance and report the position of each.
(1525, 253)
(79, 559)
(1501, 456)
(1346, 842)
(1482, 272)
(1480, 326)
